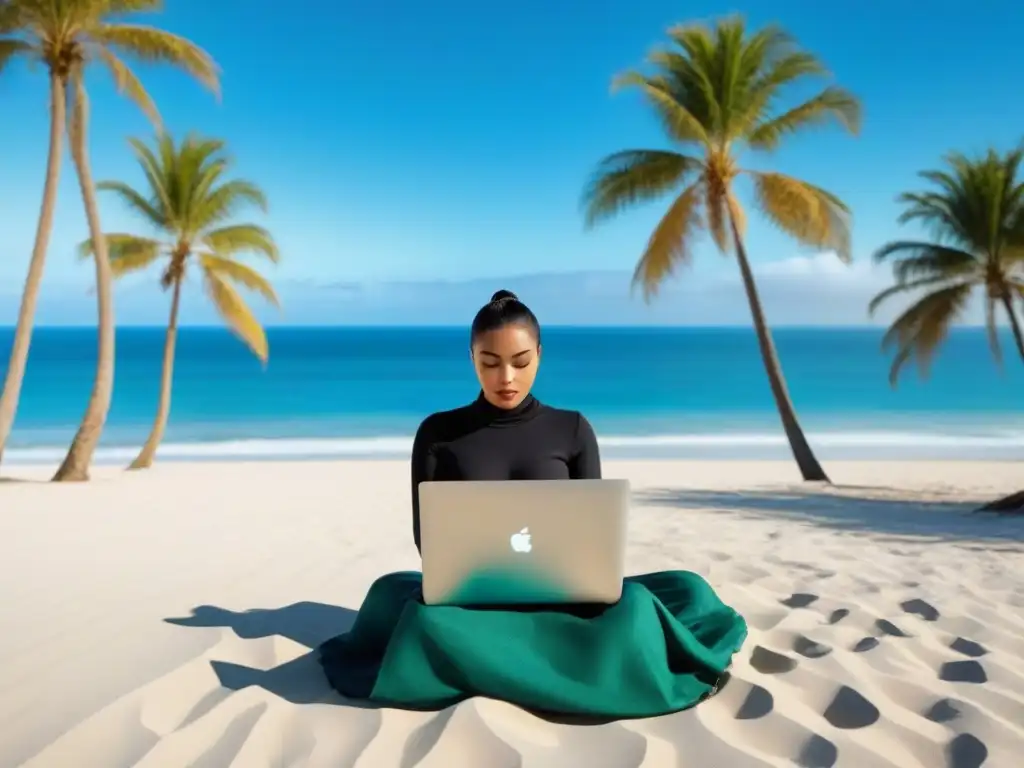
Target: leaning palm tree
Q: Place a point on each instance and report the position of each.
(67, 36)
(974, 212)
(189, 203)
(715, 90)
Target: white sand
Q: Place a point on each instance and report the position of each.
(886, 625)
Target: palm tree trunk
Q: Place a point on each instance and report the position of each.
(145, 458)
(76, 464)
(1018, 336)
(809, 466)
(1015, 501)
(30, 294)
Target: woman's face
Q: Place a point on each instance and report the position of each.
(506, 361)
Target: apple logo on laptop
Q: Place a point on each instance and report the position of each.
(521, 541)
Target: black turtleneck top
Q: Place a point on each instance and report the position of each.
(483, 442)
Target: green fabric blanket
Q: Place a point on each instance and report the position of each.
(661, 648)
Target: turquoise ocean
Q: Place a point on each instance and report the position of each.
(649, 392)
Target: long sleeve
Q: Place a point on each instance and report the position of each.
(423, 466)
(585, 463)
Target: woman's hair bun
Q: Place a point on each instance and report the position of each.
(502, 310)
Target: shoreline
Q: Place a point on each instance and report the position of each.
(864, 445)
(781, 472)
(170, 616)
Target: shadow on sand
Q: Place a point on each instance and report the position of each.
(849, 508)
(302, 680)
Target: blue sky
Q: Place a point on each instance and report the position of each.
(419, 155)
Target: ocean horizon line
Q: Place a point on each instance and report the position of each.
(465, 326)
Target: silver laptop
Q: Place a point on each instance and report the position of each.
(523, 542)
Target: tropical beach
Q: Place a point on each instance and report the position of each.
(716, 256)
(885, 620)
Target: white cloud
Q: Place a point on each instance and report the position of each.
(802, 290)
(820, 264)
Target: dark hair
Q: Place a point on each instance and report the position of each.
(503, 309)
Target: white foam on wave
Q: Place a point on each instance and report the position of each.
(400, 446)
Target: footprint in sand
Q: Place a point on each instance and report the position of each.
(759, 702)
(818, 752)
(799, 600)
(838, 615)
(769, 662)
(943, 711)
(886, 627)
(919, 607)
(963, 672)
(968, 647)
(809, 648)
(966, 751)
(850, 710)
(865, 644)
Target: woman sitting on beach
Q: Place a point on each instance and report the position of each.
(662, 647)
(506, 434)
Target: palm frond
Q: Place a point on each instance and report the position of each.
(128, 84)
(10, 48)
(936, 213)
(630, 177)
(975, 203)
(832, 104)
(132, 6)
(153, 45)
(781, 65)
(191, 169)
(242, 238)
(240, 273)
(679, 122)
(134, 200)
(226, 200)
(883, 296)
(127, 253)
(915, 260)
(14, 16)
(208, 168)
(156, 177)
(728, 59)
(811, 215)
(670, 243)
(236, 313)
(689, 69)
(920, 330)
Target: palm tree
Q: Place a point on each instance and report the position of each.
(974, 212)
(189, 204)
(66, 36)
(716, 90)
